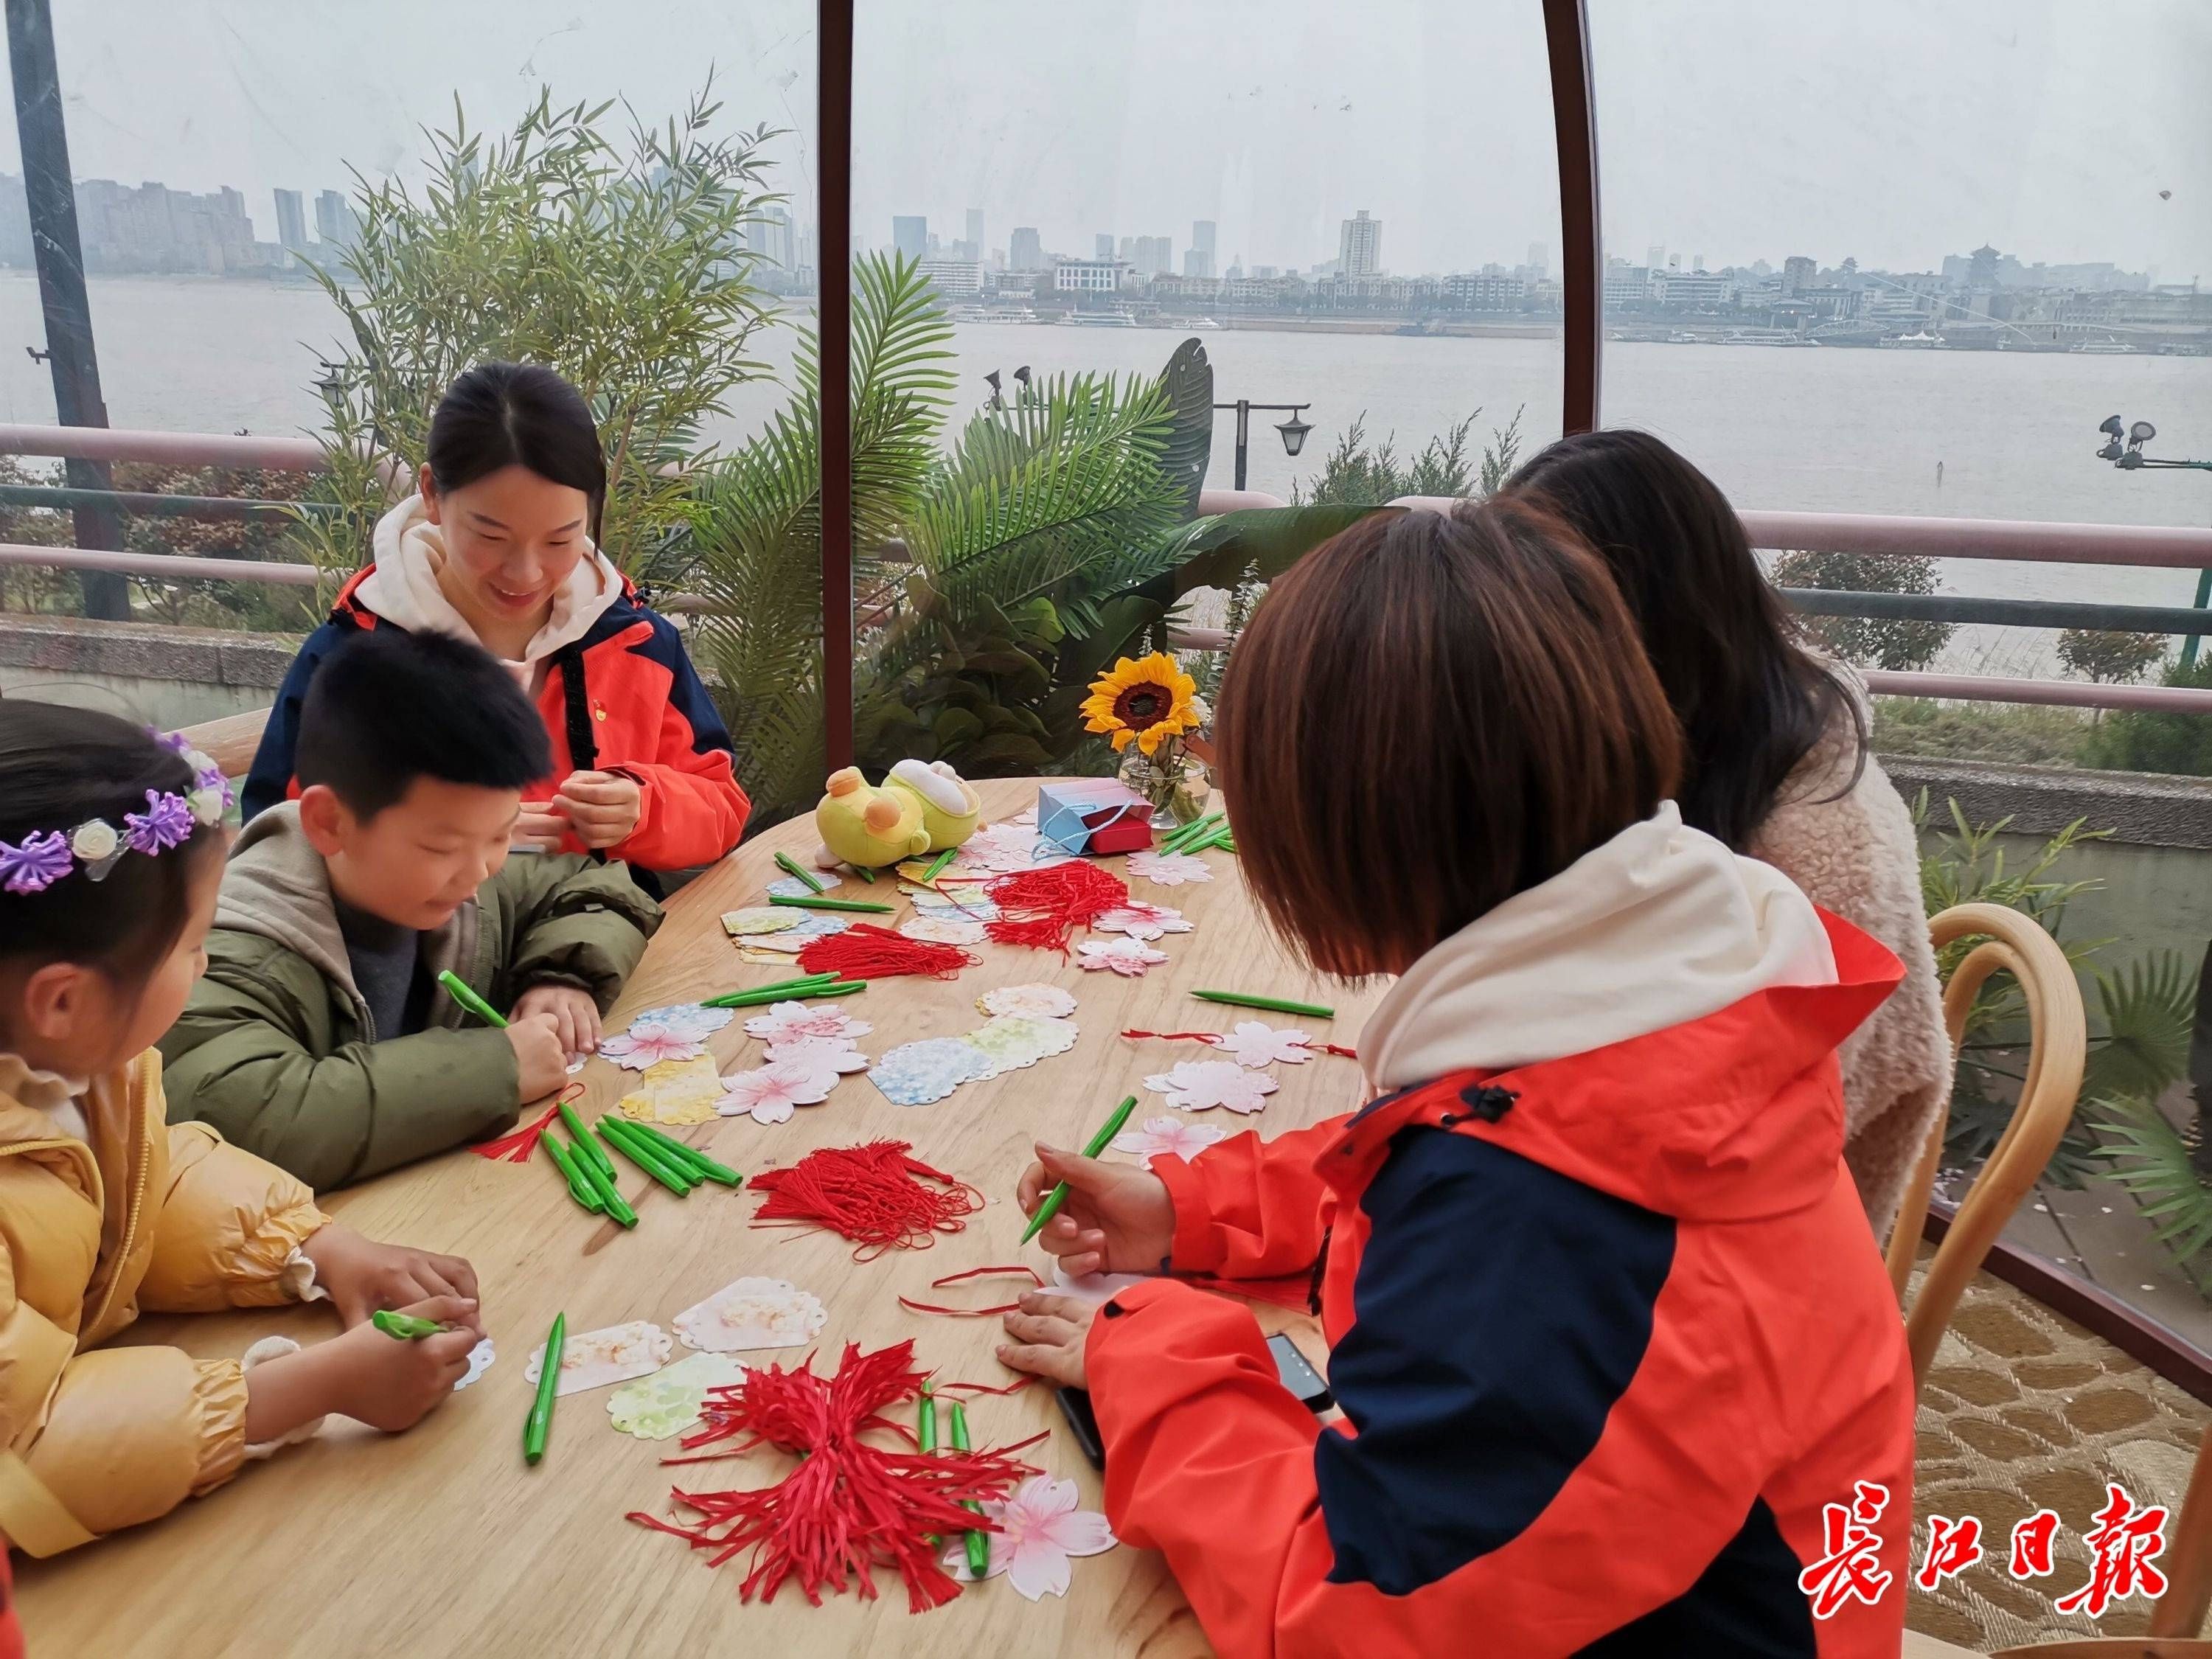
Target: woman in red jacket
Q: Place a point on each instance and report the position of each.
(499, 546)
(1620, 1370)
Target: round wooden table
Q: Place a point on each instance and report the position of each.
(441, 1542)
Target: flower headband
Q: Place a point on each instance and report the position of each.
(44, 856)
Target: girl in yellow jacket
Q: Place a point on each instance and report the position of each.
(111, 851)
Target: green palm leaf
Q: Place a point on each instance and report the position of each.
(2150, 1015)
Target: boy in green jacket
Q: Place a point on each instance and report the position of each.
(320, 1037)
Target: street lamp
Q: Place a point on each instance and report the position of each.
(1293, 430)
(2129, 458)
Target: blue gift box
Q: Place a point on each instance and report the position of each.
(1094, 816)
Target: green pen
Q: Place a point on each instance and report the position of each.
(1178, 839)
(792, 868)
(646, 1159)
(937, 866)
(690, 1155)
(549, 1381)
(863, 872)
(809, 902)
(1091, 1148)
(782, 988)
(406, 1327)
(469, 999)
(1273, 1005)
(565, 1160)
(802, 993)
(925, 1433)
(583, 1138)
(603, 1186)
(979, 1543)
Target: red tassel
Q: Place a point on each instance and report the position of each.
(1029, 1273)
(516, 1147)
(1041, 907)
(865, 950)
(848, 1506)
(1214, 1038)
(874, 1195)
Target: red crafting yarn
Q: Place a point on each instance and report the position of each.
(1041, 907)
(517, 1146)
(874, 1195)
(1214, 1038)
(1029, 1273)
(848, 1506)
(865, 950)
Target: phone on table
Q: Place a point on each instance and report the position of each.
(1295, 1370)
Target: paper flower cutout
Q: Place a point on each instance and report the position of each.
(1168, 1136)
(1256, 1043)
(668, 1403)
(786, 1022)
(759, 919)
(480, 1358)
(832, 1054)
(686, 1019)
(1145, 921)
(1199, 1085)
(792, 887)
(769, 1093)
(1126, 957)
(941, 929)
(1040, 1531)
(1169, 869)
(647, 1044)
(1028, 1001)
(1006, 849)
(675, 1091)
(752, 1313)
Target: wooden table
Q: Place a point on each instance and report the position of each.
(441, 1542)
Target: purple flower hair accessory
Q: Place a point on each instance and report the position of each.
(167, 822)
(37, 864)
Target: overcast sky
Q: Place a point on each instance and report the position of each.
(1895, 131)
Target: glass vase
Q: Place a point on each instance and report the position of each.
(1173, 780)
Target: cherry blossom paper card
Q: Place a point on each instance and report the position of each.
(1256, 1043)
(792, 887)
(1040, 1531)
(1199, 1085)
(961, 904)
(823, 1053)
(1031, 1002)
(752, 1313)
(1169, 869)
(1128, 957)
(675, 1091)
(678, 1032)
(1144, 921)
(1168, 1136)
(785, 1022)
(613, 1354)
(1011, 1042)
(917, 1073)
(759, 919)
(480, 1358)
(770, 1093)
(668, 1403)
(943, 929)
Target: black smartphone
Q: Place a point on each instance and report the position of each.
(1295, 1370)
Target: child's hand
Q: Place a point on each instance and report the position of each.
(539, 828)
(603, 806)
(1051, 1332)
(1117, 1219)
(393, 1385)
(575, 1016)
(362, 1275)
(540, 1061)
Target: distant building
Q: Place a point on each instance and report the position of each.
(1087, 275)
(1698, 290)
(1103, 245)
(155, 228)
(292, 221)
(955, 279)
(335, 224)
(1360, 246)
(1485, 291)
(1198, 259)
(1153, 256)
(1627, 287)
(910, 236)
(1539, 261)
(771, 235)
(974, 244)
(1026, 251)
(1798, 274)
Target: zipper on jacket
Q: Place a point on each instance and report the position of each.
(130, 1216)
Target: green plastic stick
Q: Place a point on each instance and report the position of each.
(863, 872)
(603, 1186)
(978, 1543)
(1091, 1148)
(697, 1160)
(830, 987)
(653, 1162)
(540, 1420)
(937, 866)
(406, 1327)
(798, 872)
(782, 988)
(925, 1433)
(1273, 1004)
(810, 901)
(583, 1138)
(469, 999)
(565, 1159)
(1178, 839)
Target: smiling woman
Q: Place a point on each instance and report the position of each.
(499, 546)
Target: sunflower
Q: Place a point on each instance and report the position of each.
(1150, 701)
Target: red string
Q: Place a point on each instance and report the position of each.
(517, 1146)
(848, 1506)
(1041, 907)
(1214, 1038)
(1029, 1273)
(874, 1195)
(1014, 1387)
(865, 950)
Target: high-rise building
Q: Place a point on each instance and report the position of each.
(335, 222)
(1655, 257)
(1128, 253)
(975, 249)
(1360, 246)
(1198, 260)
(1539, 260)
(1026, 251)
(1103, 246)
(770, 234)
(292, 221)
(1798, 274)
(1151, 256)
(910, 236)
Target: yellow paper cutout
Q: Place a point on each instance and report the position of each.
(675, 1091)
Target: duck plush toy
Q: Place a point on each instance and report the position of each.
(920, 809)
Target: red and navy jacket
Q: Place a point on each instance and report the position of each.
(624, 699)
(1614, 1343)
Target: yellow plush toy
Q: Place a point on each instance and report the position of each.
(867, 828)
(949, 805)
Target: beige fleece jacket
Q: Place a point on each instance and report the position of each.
(1857, 856)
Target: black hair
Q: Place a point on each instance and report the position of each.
(502, 415)
(1751, 700)
(389, 706)
(60, 767)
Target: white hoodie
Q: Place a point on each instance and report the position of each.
(403, 589)
(1660, 926)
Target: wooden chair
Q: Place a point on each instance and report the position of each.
(2057, 1046)
(230, 741)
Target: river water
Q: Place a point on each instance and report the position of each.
(1831, 429)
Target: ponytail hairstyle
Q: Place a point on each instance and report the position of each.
(91, 898)
(504, 415)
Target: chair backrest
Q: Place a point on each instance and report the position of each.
(2058, 1042)
(230, 741)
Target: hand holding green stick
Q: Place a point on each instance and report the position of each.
(1091, 1148)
